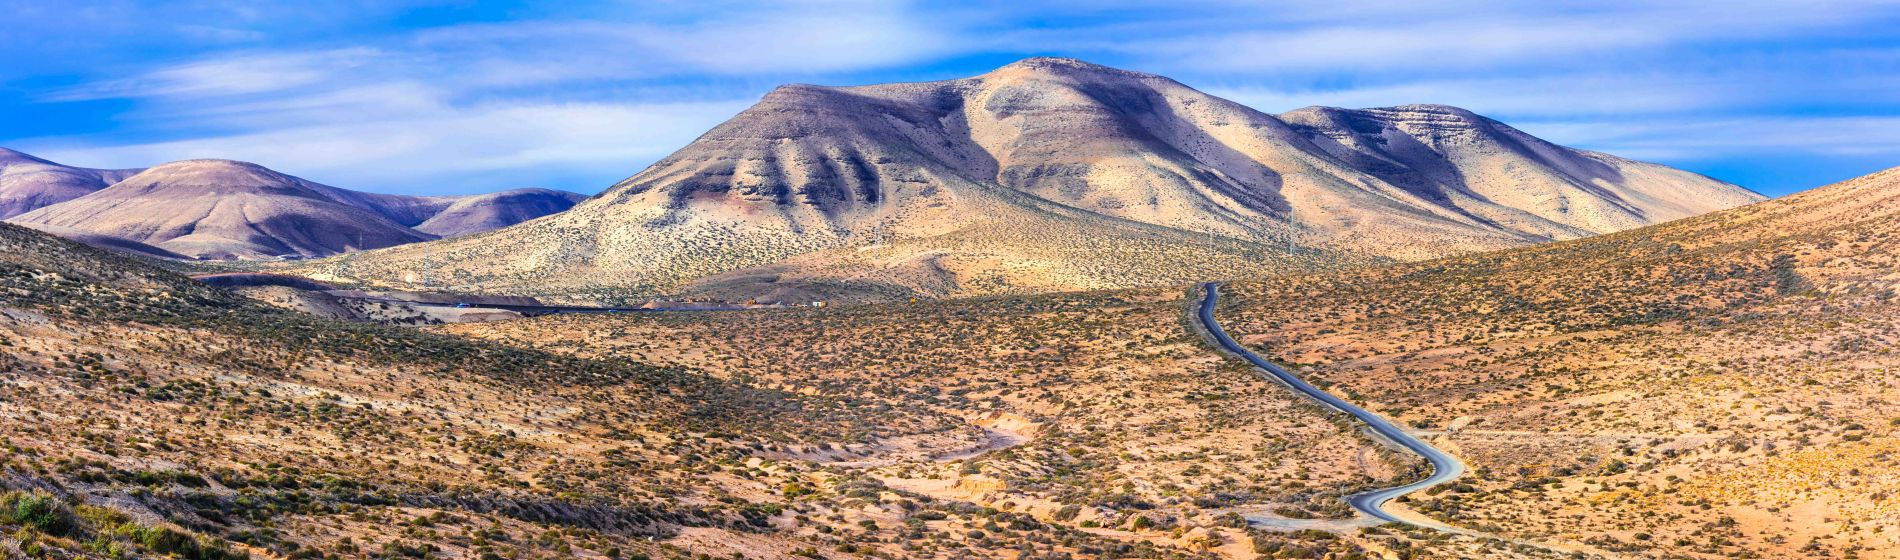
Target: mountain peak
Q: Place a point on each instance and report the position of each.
(9, 155)
(1042, 164)
(220, 174)
(210, 163)
(1415, 108)
(29, 183)
(1059, 64)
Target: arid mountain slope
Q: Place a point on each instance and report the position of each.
(28, 183)
(1505, 178)
(483, 212)
(1045, 161)
(224, 209)
(408, 211)
(1715, 387)
(148, 415)
(227, 209)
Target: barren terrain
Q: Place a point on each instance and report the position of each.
(1048, 174)
(1716, 387)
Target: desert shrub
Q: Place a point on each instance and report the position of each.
(43, 512)
(1068, 512)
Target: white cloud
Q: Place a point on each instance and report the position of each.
(498, 104)
(1541, 95)
(1357, 37)
(1701, 139)
(482, 147)
(229, 75)
(594, 92)
(210, 33)
(769, 39)
(349, 103)
(800, 42)
(1435, 45)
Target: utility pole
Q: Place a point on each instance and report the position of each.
(879, 226)
(1291, 223)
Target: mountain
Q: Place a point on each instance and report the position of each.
(405, 210)
(175, 202)
(1673, 389)
(1506, 179)
(28, 183)
(1051, 174)
(483, 212)
(224, 209)
(153, 416)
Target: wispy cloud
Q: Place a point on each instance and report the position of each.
(758, 42)
(405, 96)
(1543, 95)
(1691, 139)
(1463, 36)
(484, 105)
(445, 149)
(226, 76)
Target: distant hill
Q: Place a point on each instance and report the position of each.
(1053, 174)
(28, 183)
(226, 209)
(223, 209)
(483, 212)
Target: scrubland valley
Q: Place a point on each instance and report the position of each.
(147, 414)
(1009, 367)
(1099, 412)
(1716, 387)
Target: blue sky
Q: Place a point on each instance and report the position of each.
(456, 97)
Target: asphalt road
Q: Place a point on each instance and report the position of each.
(1445, 467)
(551, 309)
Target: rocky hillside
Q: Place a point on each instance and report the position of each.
(1055, 174)
(1506, 179)
(28, 183)
(1705, 388)
(148, 415)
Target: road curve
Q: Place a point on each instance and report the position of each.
(1445, 467)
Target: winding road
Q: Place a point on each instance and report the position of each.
(1445, 467)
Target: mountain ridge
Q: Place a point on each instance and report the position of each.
(66, 201)
(29, 183)
(224, 209)
(811, 177)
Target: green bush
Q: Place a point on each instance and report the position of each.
(169, 542)
(39, 510)
(162, 540)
